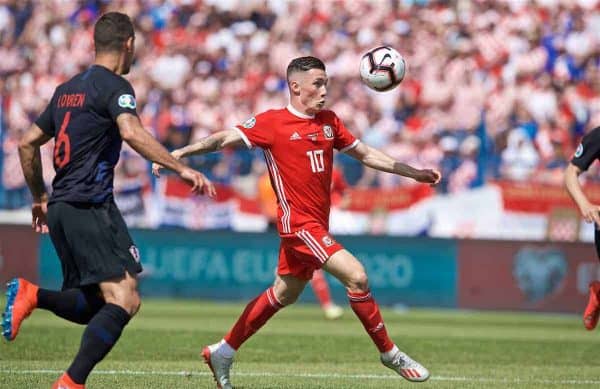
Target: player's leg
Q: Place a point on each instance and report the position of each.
(111, 262)
(592, 310)
(219, 356)
(285, 291)
(345, 267)
(292, 276)
(323, 294)
(77, 305)
(105, 328)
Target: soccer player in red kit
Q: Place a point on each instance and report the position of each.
(298, 143)
(319, 284)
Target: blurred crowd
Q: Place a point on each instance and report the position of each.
(494, 89)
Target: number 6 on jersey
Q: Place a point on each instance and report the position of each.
(62, 140)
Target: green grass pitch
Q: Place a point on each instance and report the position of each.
(299, 349)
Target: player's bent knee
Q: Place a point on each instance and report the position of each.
(358, 282)
(129, 300)
(132, 304)
(135, 303)
(285, 296)
(287, 299)
(136, 308)
(288, 296)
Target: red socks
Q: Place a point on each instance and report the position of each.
(367, 311)
(262, 308)
(256, 314)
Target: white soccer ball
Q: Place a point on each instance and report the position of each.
(382, 68)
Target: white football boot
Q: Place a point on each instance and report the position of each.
(219, 365)
(406, 366)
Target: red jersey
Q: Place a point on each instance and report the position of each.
(298, 150)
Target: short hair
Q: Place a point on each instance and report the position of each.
(112, 31)
(304, 64)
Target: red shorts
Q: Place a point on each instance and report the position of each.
(305, 251)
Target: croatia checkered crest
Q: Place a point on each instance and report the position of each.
(382, 68)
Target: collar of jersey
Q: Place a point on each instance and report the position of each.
(295, 112)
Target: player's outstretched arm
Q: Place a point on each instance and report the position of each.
(589, 211)
(379, 160)
(215, 142)
(31, 164)
(144, 143)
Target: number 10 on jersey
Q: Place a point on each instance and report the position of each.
(316, 160)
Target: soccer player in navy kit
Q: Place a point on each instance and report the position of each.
(587, 152)
(89, 116)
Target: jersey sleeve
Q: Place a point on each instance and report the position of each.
(122, 100)
(256, 131)
(344, 140)
(46, 120)
(588, 150)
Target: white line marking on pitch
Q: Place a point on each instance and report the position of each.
(313, 375)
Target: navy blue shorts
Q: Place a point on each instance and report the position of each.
(92, 242)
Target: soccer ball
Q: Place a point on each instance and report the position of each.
(382, 68)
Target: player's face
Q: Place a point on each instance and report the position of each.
(312, 90)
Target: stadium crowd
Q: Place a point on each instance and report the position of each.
(494, 89)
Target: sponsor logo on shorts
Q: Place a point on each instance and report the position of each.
(249, 123)
(327, 241)
(328, 132)
(135, 253)
(579, 151)
(127, 101)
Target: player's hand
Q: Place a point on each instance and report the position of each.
(157, 166)
(200, 184)
(156, 169)
(591, 213)
(39, 221)
(429, 176)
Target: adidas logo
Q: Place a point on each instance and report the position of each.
(295, 136)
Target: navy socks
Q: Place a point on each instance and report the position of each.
(76, 305)
(99, 337)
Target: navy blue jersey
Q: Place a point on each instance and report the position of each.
(588, 150)
(82, 119)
